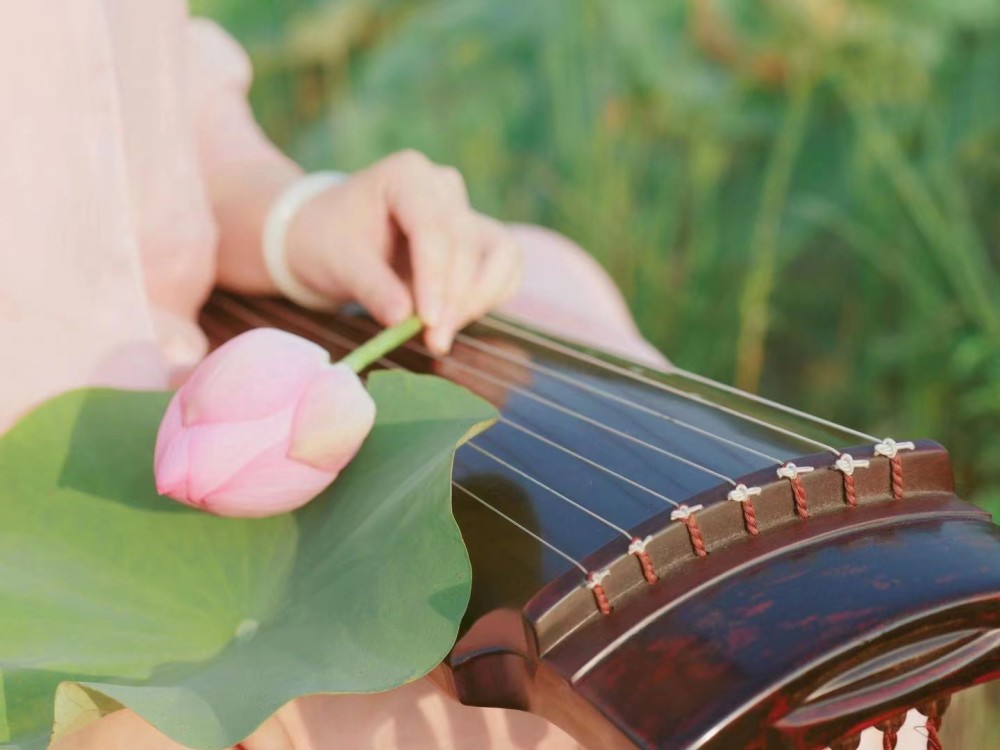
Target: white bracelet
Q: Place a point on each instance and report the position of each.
(283, 211)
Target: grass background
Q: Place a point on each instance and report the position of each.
(798, 196)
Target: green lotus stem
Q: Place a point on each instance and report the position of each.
(383, 343)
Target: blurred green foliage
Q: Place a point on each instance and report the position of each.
(799, 196)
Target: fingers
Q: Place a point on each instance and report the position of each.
(463, 267)
(499, 272)
(462, 228)
(484, 272)
(463, 263)
(416, 195)
(401, 237)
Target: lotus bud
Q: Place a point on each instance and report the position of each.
(264, 424)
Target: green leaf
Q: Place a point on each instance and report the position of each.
(113, 596)
(4, 725)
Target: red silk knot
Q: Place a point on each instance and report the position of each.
(896, 468)
(602, 600)
(799, 493)
(846, 464)
(934, 711)
(638, 548)
(791, 472)
(742, 494)
(600, 595)
(933, 727)
(685, 515)
(890, 449)
(890, 731)
(697, 541)
(850, 491)
(750, 518)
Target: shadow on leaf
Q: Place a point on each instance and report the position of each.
(111, 449)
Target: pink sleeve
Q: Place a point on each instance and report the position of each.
(73, 309)
(220, 74)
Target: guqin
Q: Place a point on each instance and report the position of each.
(660, 561)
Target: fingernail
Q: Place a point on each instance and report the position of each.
(432, 312)
(440, 340)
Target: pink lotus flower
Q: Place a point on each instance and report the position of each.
(264, 424)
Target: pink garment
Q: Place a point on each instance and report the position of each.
(108, 239)
(564, 291)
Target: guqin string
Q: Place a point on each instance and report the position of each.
(680, 513)
(739, 493)
(572, 560)
(845, 463)
(593, 579)
(554, 346)
(582, 508)
(500, 354)
(637, 546)
(563, 449)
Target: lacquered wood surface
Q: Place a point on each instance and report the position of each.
(775, 616)
(563, 605)
(759, 635)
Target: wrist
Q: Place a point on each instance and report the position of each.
(277, 238)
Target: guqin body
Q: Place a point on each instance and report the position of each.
(649, 571)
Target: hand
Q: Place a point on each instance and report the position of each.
(400, 237)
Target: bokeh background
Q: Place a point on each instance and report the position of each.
(798, 196)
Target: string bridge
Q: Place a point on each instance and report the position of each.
(720, 526)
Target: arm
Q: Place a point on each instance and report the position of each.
(242, 170)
